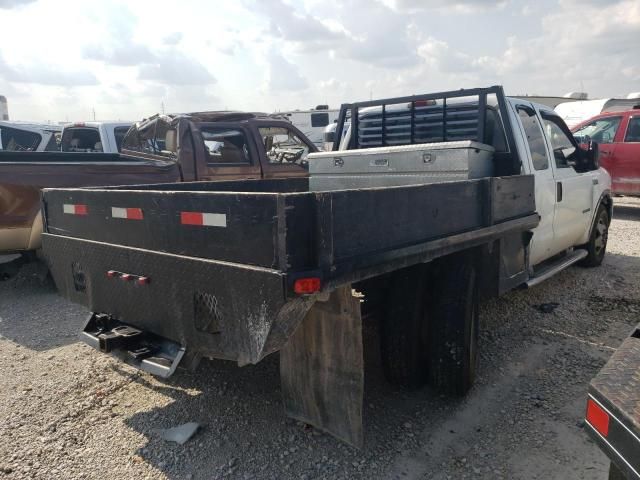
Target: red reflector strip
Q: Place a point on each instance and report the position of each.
(306, 285)
(74, 209)
(143, 280)
(597, 418)
(126, 276)
(203, 219)
(128, 213)
(112, 274)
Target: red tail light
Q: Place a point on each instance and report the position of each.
(112, 274)
(143, 280)
(307, 285)
(126, 276)
(597, 417)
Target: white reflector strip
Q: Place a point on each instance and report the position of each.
(72, 209)
(214, 219)
(128, 213)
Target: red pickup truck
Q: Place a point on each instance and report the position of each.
(618, 136)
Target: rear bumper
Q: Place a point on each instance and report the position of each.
(613, 408)
(211, 309)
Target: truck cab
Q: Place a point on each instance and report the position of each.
(572, 192)
(570, 189)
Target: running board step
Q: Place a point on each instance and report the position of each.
(143, 350)
(550, 270)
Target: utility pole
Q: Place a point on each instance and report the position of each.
(162, 107)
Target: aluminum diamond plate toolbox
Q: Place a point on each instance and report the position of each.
(400, 165)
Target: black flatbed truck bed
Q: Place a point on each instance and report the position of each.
(613, 409)
(238, 270)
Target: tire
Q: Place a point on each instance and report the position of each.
(402, 329)
(615, 473)
(453, 326)
(597, 244)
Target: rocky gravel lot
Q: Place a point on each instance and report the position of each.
(67, 411)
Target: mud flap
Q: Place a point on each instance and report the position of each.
(322, 368)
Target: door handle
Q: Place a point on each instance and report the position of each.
(559, 191)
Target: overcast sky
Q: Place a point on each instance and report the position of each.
(60, 60)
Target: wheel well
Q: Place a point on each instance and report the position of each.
(607, 201)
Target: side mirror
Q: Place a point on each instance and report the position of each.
(329, 137)
(593, 156)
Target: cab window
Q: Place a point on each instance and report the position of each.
(150, 137)
(283, 146)
(535, 138)
(633, 130)
(563, 148)
(225, 146)
(602, 130)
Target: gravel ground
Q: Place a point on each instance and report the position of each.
(67, 411)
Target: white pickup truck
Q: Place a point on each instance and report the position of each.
(94, 137)
(572, 193)
(431, 203)
(29, 137)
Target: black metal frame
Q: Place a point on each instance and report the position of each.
(481, 93)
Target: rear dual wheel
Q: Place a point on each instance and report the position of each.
(430, 325)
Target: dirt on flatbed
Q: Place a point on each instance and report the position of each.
(67, 411)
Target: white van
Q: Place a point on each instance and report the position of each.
(311, 122)
(574, 113)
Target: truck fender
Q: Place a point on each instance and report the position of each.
(606, 200)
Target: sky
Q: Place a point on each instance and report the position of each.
(68, 60)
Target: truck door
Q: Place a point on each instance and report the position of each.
(626, 159)
(228, 153)
(574, 188)
(545, 190)
(284, 150)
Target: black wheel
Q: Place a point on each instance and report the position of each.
(597, 244)
(402, 329)
(453, 326)
(615, 473)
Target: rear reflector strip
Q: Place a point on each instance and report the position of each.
(128, 213)
(598, 418)
(203, 219)
(74, 209)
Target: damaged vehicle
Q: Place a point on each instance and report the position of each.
(228, 148)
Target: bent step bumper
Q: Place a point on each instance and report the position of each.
(142, 350)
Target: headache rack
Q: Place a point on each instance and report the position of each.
(478, 114)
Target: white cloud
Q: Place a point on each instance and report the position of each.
(176, 69)
(7, 4)
(282, 75)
